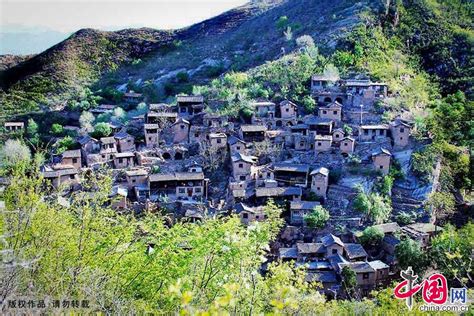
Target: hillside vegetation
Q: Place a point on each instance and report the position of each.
(239, 39)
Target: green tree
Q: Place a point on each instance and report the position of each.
(452, 252)
(102, 130)
(371, 236)
(317, 218)
(410, 254)
(440, 205)
(32, 132)
(14, 154)
(86, 120)
(57, 129)
(349, 281)
(376, 207)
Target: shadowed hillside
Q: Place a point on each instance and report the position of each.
(237, 39)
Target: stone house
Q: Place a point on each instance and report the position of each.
(218, 140)
(152, 135)
(320, 82)
(264, 109)
(320, 181)
(355, 252)
(119, 197)
(373, 132)
(236, 145)
(64, 176)
(252, 133)
(14, 126)
(124, 160)
(337, 135)
(288, 110)
(214, 120)
(198, 134)
(249, 214)
(319, 126)
(108, 147)
(365, 275)
(300, 209)
(307, 252)
(333, 245)
(381, 160)
(181, 185)
(125, 142)
(133, 97)
(381, 271)
(421, 232)
(287, 193)
(347, 145)
(71, 158)
(291, 174)
(242, 166)
(136, 177)
(189, 105)
(263, 173)
(302, 142)
(299, 129)
(161, 118)
(180, 130)
(400, 133)
(89, 145)
(332, 111)
(322, 143)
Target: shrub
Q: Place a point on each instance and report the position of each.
(101, 130)
(371, 236)
(317, 218)
(57, 129)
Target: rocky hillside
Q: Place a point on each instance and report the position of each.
(238, 39)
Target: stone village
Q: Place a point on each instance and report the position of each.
(196, 164)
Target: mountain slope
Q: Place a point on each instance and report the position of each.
(237, 39)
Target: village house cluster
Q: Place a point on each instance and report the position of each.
(197, 163)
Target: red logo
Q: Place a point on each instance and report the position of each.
(435, 288)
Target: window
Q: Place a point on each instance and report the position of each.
(133, 180)
(325, 112)
(183, 110)
(346, 144)
(241, 165)
(334, 251)
(238, 147)
(71, 177)
(334, 112)
(182, 126)
(365, 276)
(74, 160)
(318, 188)
(219, 140)
(242, 178)
(196, 134)
(181, 190)
(111, 146)
(301, 144)
(366, 132)
(287, 110)
(319, 144)
(260, 176)
(103, 156)
(401, 138)
(120, 160)
(402, 130)
(337, 135)
(149, 138)
(197, 190)
(245, 215)
(381, 167)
